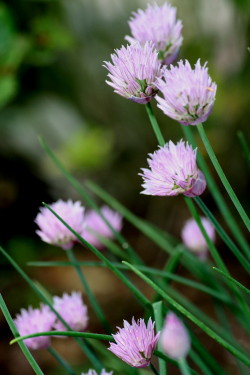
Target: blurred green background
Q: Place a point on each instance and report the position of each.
(52, 83)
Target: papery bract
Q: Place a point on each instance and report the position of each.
(173, 171)
(52, 231)
(133, 72)
(188, 94)
(135, 343)
(157, 24)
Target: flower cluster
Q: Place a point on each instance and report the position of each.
(188, 94)
(90, 225)
(157, 24)
(133, 72)
(193, 238)
(135, 343)
(173, 171)
(93, 372)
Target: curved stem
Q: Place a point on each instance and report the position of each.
(222, 176)
(183, 366)
(155, 125)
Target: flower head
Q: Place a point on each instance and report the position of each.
(173, 171)
(188, 94)
(133, 72)
(174, 339)
(93, 372)
(193, 238)
(52, 231)
(34, 321)
(96, 226)
(135, 342)
(157, 24)
(72, 310)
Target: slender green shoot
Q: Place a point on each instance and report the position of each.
(61, 361)
(184, 366)
(222, 176)
(232, 280)
(158, 312)
(244, 146)
(23, 347)
(155, 125)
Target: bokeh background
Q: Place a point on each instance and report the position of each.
(52, 84)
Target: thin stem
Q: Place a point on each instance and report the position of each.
(222, 176)
(23, 347)
(96, 307)
(232, 280)
(184, 366)
(61, 361)
(245, 147)
(153, 369)
(217, 195)
(155, 125)
(157, 308)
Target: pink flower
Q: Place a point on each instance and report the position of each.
(188, 94)
(133, 72)
(174, 339)
(93, 372)
(135, 343)
(34, 321)
(173, 171)
(158, 24)
(193, 238)
(52, 231)
(72, 310)
(96, 226)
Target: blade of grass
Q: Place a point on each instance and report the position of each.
(93, 301)
(157, 308)
(222, 176)
(232, 280)
(23, 347)
(235, 351)
(61, 361)
(243, 261)
(217, 195)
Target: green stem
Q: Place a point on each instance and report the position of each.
(222, 176)
(23, 347)
(153, 369)
(245, 147)
(199, 362)
(157, 308)
(183, 366)
(84, 335)
(61, 361)
(232, 280)
(96, 307)
(223, 234)
(155, 125)
(218, 197)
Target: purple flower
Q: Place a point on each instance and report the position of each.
(52, 231)
(193, 238)
(173, 171)
(135, 342)
(96, 226)
(133, 72)
(93, 372)
(189, 94)
(34, 321)
(174, 339)
(157, 24)
(72, 310)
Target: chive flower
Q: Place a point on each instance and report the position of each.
(174, 339)
(72, 310)
(193, 238)
(188, 94)
(96, 226)
(173, 171)
(33, 321)
(135, 343)
(159, 25)
(93, 372)
(52, 231)
(133, 72)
